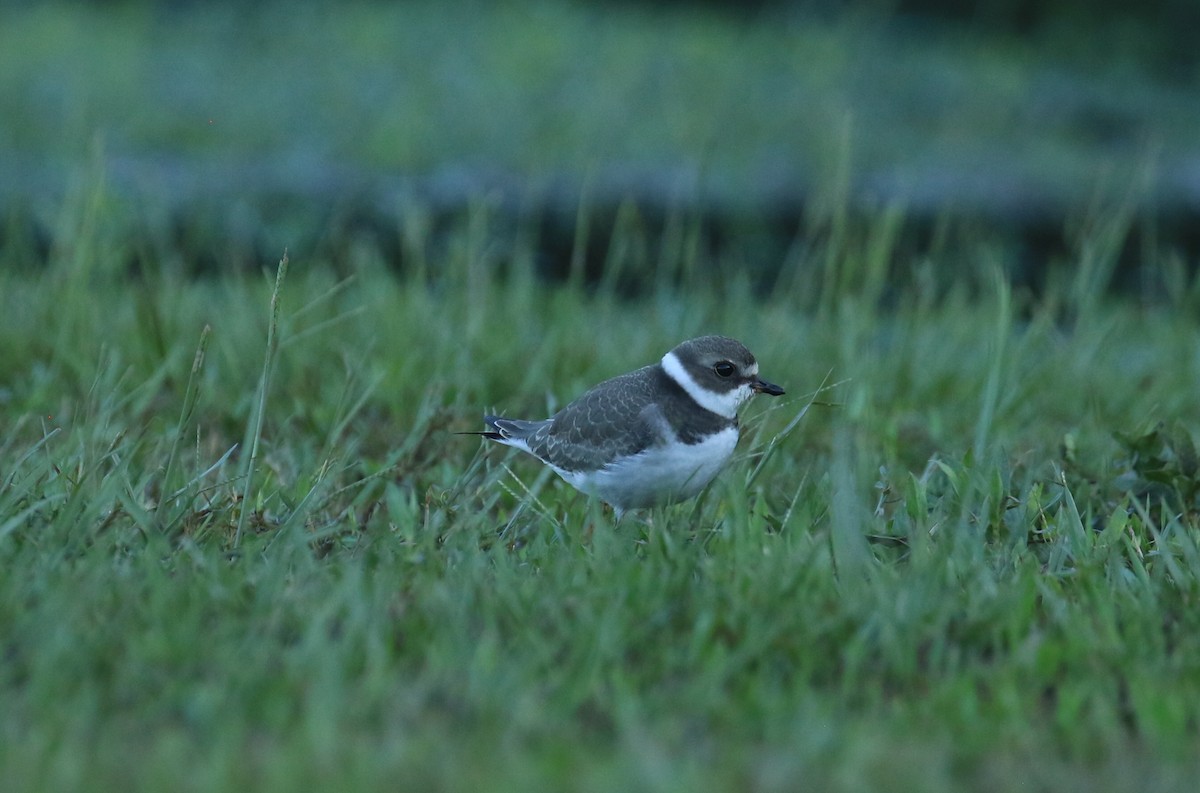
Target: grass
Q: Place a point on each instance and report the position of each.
(194, 101)
(961, 554)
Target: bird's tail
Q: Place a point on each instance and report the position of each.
(495, 433)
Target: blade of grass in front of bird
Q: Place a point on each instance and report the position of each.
(773, 444)
(254, 429)
(190, 395)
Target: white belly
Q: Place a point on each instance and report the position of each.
(665, 473)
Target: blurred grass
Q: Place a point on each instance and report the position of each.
(735, 108)
(972, 564)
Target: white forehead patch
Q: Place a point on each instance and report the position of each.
(723, 404)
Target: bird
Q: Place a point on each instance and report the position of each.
(653, 436)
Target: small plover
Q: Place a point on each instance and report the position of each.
(655, 435)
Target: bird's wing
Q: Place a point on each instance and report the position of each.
(602, 425)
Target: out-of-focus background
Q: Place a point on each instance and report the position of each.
(230, 130)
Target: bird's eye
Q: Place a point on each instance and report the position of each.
(724, 369)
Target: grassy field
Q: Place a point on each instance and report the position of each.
(241, 553)
(188, 100)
